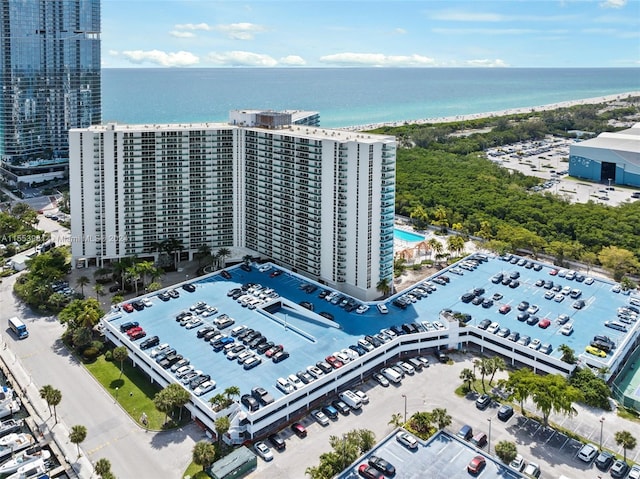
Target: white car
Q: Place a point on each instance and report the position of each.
(535, 344)
(147, 302)
(589, 280)
(194, 323)
(587, 453)
(184, 370)
(518, 463)
(210, 311)
(365, 344)
(532, 470)
(263, 451)
(382, 308)
(295, 381)
(158, 349)
(315, 371)
(264, 268)
(634, 473)
(363, 397)
(204, 388)
(493, 328)
(567, 329)
(321, 417)
(407, 440)
(533, 309)
(363, 308)
(559, 298)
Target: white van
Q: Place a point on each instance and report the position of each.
(382, 308)
(349, 397)
(391, 375)
(285, 386)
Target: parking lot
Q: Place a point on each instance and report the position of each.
(434, 387)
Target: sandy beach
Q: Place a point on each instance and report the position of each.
(511, 111)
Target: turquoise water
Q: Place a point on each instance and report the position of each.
(347, 96)
(407, 236)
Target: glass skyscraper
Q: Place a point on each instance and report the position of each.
(50, 80)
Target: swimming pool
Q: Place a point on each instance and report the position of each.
(407, 236)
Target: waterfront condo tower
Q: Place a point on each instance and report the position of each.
(50, 83)
(317, 201)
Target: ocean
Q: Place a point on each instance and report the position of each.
(347, 96)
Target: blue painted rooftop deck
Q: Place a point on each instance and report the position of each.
(441, 457)
(308, 340)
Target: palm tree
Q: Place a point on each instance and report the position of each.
(77, 434)
(626, 440)
(231, 392)
(468, 377)
(204, 454)
(102, 467)
(455, 244)
(117, 298)
(99, 290)
(45, 393)
(222, 254)
(436, 247)
(144, 268)
(247, 259)
(421, 422)
(219, 401)
(54, 398)
(498, 364)
(82, 281)
(383, 286)
(132, 274)
(441, 417)
(222, 425)
(120, 354)
(204, 251)
(396, 420)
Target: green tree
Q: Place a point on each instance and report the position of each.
(223, 253)
(45, 393)
(222, 425)
(568, 354)
(102, 467)
(594, 388)
(99, 290)
(485, 366)
(231, 392)
(619, 261)
(421, 422)
(384, 287)
(204, 252)
(77, 435)
(441, 418)
(554, 393)
(396, 420)
(219, 401)
(506, 451)
(468, 377)
(120, 354)
(53, 398)
(178, 395)
(204, 453)
(497, 364)
(82, 281)
(455, 244)
(626, 440)
(519, 385)
(163, 403)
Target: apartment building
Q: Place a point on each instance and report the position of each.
(317, 201)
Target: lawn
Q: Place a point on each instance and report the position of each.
(133, 391)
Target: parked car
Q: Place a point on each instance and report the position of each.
(476, 465)
(321, 417)
(465, 432)
(479, 440)
(604, 460)
(505, 412)
(407, 440)
(483, 401)
(518, 463)
(382, 465)
(341, 406)
(369, 472)
(299, 429)
(381, 380)
(263, 451)
(532, 470)
(587, 453)
(277, 442)
(619, 469)
(330, 411)
(634, 473)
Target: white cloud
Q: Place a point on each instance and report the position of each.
(239, 58)
(486, 63)
(240, 31)
(613, 3)
(114, 53)
(292, 60)
(400, 31)
(377, 59)
(193, 26)
(181, 34)
(461, 16)
(158, 57)
(487, 31)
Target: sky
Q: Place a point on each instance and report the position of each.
(364, 33)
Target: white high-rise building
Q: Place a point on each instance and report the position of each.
(317, 201)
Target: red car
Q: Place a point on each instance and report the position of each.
(553, 272)
(299, 429)
(476, 465)
(544, 323)
(334, 362)
(137, 335)
(127, 307)
(504, 309)
(369, 472)
(133, 331)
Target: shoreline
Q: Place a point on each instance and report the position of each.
(498, 113)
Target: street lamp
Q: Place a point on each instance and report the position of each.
(601, 425)
(489, 440)
(117, 389)
(609, 189)
(405, 408)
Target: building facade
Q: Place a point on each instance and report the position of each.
(610, 158)
(50, 83)
(318, 201)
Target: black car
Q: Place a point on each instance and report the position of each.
(245, 267)
(114, 288)
(262, 396)
(262, 348)
(442, 357)
(189, 287)
(467, 297)
(381, 465)
(250, 402)
(210, 334)
(484, 324)
(225, 274)
(198, 380)
(277, 442)
(150, 342)
(505, 412)
(280, 356)
(483, 402)
(604, 460)
(324, 367)
(128, 325)
(341, 406)
(138, 305)
(204, 330)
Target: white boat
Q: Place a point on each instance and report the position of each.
(24, 458)
(15, 442)
(9, 403)
(9, 426)
(31, 471)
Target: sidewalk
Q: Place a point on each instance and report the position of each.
(56, 435)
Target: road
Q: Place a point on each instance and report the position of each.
(133, 452)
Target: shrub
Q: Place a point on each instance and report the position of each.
(99, 345)
(108, 355)
(90, 354)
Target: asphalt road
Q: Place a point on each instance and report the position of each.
(133, 452)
